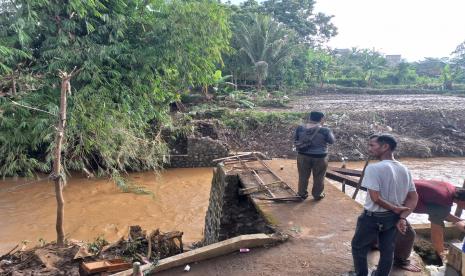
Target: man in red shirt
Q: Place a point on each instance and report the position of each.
(435, 198)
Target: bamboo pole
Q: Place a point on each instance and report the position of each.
(343, 187)
(359, 184)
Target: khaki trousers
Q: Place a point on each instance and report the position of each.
(307, 165)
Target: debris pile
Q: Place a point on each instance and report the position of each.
(50, 259)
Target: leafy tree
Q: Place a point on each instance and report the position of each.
(320, 63)
(430, 67)
(264, 45)
(458, 63)
(372, 63)
(135, 57)
(300, 16)
(405, 73)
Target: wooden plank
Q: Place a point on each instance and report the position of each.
(105, 266)
(285, 198)
(340, 178)
(251, 190)
(454, 258)
(260, 181)
(277, 176)
(345, 171)
(458, 211)
(450, 231)
(206, 252)
(232, 157)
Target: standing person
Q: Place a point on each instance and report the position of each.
(435, 198)
(311, 141)
(391, 197)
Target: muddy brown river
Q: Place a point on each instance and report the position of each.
(95, 207)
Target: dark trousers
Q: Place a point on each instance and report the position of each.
(370, 228)
(404, 246)
(306, 165)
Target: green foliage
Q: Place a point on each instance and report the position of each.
(320, 65)
(264, 47)
(135, 58)
(97, 245)
(129, 187)
(300, 16)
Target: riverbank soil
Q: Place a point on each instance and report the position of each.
(426, 125)
(320, 234)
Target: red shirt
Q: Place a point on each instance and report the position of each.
(433, 192)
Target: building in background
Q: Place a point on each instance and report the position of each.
(393, 60)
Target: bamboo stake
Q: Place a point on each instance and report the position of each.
(343, 188)
(359, 184)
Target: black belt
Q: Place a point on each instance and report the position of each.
(378, 214)
(314, 155)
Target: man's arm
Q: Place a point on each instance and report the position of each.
(458, 223)
(410, 202)
(377, 199)
(330, 137)
(296, 135)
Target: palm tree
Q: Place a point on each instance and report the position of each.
(265, 43)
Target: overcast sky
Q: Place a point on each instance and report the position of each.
(413, 28)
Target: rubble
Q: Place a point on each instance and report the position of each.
(50, 259)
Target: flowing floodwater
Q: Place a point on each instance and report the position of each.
(451, 170)
(96, 207)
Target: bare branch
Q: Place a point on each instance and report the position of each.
(33, 108)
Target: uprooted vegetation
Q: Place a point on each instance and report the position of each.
(50, 259)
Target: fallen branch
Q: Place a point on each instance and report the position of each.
(9, 252)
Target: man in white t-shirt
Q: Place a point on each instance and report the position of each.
(391, 197)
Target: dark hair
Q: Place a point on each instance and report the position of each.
(459, 193)
(384, 139)
(316, 116)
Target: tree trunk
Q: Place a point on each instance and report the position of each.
(13, 80)
(57, 175)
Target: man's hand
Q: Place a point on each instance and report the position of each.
(400, 209)
(402, 226)
(460, 225)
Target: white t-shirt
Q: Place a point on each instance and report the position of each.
(391, 179)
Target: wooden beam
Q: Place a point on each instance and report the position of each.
(285, 198)
(450, 231)
(206, 252)
(351, 181)
(251, 190)
(277, 176)
(345, 171)
(454, 258)
(458, 211)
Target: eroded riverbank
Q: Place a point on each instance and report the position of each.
(96, 207)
